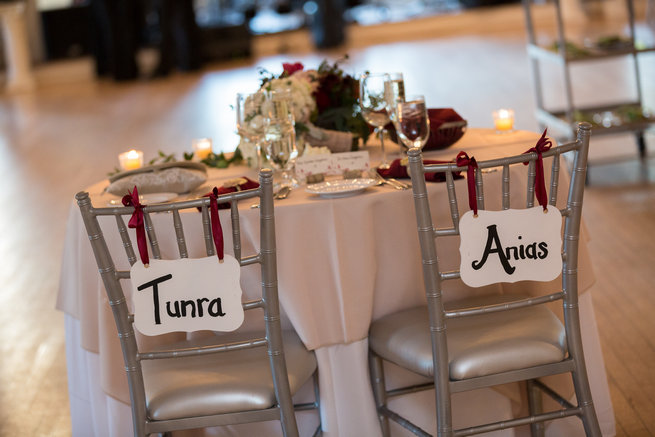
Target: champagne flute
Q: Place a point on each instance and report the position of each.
(394, 91)
(252, 120)
(374, 108)
(280, 136)
(412, 122)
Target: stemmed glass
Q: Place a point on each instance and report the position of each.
(280, 136)
(374, 106)
(252, 120)
(394, 91)
(412, 122)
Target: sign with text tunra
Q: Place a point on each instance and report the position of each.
(510, 246)
(187, 295)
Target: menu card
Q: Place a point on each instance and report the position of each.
(331, 163)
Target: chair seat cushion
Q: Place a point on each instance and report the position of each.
(477, 345)
(221, 383)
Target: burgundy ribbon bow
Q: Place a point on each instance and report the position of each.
(463, 160)
(217, 229)
(542, 146)
(136, 221)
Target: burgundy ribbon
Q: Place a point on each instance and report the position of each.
(217, 229)
(463, 160)
(542, 146)
(136, 221)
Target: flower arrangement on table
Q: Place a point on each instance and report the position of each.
(324, 104)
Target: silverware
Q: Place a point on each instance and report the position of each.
(280, 194)
(391, 182)
(404, 185)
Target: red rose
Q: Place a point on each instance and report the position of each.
(289, 69)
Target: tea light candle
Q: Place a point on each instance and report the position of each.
(131, 160)
(202, 147)
(504, 120)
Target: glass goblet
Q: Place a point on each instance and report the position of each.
(394, 91)
(280, 137)
(412, 122)
(374, 106)
(252, 120)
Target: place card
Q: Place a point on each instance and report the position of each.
(350, 161)
(313, 164)
(331, 163)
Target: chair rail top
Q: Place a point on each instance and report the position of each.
(415, 152)
(183, 204)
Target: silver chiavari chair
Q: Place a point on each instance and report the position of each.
(224, 379)
(481, 342)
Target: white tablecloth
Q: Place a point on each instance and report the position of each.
(341, 263)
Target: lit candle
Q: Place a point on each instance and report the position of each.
(504, 120)
(131, 160)
(202, 147)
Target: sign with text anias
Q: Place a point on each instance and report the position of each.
(187, 295)
(510, 246)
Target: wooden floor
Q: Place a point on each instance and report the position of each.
(68, 133)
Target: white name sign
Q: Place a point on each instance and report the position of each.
(331, 163)
(187, 295)
(510, 246)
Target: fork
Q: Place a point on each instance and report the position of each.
(393, 183)
(280, 194)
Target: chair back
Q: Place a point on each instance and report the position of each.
(434, 276)
(268, 302)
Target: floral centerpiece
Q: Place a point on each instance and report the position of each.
(324, 104)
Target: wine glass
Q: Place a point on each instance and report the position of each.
(374, 106)
(394, 91)
(252, 120)
(412, 122)
(280, 136)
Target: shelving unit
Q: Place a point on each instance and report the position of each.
(625, 116)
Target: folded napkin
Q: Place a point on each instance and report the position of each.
(439, 116)
(176, 177)
(398, 170)
(238, 184)
(437, 139)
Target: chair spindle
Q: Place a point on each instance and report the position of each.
(179, 234)
(206, 230)
(236, 230)
(530, 189)
(554, 179)
(125, 238)
(505, 177)
(152, 236)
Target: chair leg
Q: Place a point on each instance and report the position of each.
(379, 390)
(317, 402)
(535, 404)
(579, 375)
(583, 395)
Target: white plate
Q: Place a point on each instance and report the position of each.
(148, 199)
(340, 187)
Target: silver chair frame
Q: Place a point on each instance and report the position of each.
(438, 316)
(266, 258)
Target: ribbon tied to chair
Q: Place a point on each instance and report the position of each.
(543, 145)
(463, 160)
(136, 222)
(216, 228)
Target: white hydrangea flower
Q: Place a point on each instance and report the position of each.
(249, 151)
(309, 150)
(301, 87)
